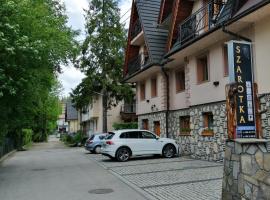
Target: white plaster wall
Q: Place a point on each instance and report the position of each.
(177, 99)
(144, 107)
(206, 92)
(261, 55)
(114, 116)
(197, 5)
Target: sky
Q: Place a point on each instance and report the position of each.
(71, 77)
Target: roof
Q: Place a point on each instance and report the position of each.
(155, 38)
(71, 113)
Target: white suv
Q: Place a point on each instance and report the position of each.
(123, 144)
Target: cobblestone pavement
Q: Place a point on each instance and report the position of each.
(169, 179)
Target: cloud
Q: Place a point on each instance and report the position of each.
(71, 77)
(125, 6)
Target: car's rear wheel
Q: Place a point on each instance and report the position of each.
(168, 151)
(97, 149)
(123, 154)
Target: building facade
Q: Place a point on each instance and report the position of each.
(91, 117)
(177, 56)
(72, 117)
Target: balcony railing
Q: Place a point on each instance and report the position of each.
(204, 20)
(136, 29)
(128, 108)
(137, 62)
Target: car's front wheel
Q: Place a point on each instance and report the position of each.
(123, 154)
(168, 151)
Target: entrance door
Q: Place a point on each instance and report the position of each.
(145, 124)
(157, 128)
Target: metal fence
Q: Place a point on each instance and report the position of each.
(6, 146)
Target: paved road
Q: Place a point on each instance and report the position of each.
(49, 171)
(169, 179)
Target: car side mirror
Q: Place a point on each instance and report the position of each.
(157, 138)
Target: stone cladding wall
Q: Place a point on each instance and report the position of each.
(158, 116)
(246, 170)
(201, 147)
(265, 108)
(210, 148)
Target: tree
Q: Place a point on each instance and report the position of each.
(102, 58)
(34, 42)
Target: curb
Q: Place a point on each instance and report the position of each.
(7, 156)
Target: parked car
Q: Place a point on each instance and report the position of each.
(94, 142)
(123, 144)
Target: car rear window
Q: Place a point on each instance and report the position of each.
(91, 137)
(110, 135)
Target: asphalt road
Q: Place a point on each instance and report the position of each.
(50, 171)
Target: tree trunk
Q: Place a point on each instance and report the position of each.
(105, 109)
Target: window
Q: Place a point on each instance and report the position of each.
(185, 125)
(147, 135)
(153, 87)
(180, 80)
(225, 57)
(142, 90)
(157, 128)
(130, 135)
(145, 124)
(110, 135)
(208, 123)
(202, 69)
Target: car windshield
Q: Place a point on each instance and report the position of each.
(110, 135)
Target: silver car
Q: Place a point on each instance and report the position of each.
(94, 142)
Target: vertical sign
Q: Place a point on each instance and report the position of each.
(241, 73)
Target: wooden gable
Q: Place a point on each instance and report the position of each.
(181, 10)
(131, 51)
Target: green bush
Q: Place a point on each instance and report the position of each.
(74, 139)
(130, 125)
(27, 136)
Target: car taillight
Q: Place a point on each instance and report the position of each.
(109, 142)
(89, 141)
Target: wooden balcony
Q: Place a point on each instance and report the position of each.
(137, 63)
(128, 112)
(204, 20)
(136, 29)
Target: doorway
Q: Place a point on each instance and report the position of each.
(145, 124)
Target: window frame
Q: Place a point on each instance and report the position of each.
(178, 88)
(206, 55)
(142, 92)
(181, 122)
(154, 88)
(209, 131)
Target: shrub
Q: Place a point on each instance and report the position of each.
(130, 125)
(27, 136)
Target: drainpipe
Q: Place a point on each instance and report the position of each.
(163, 63)
(235, 34)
